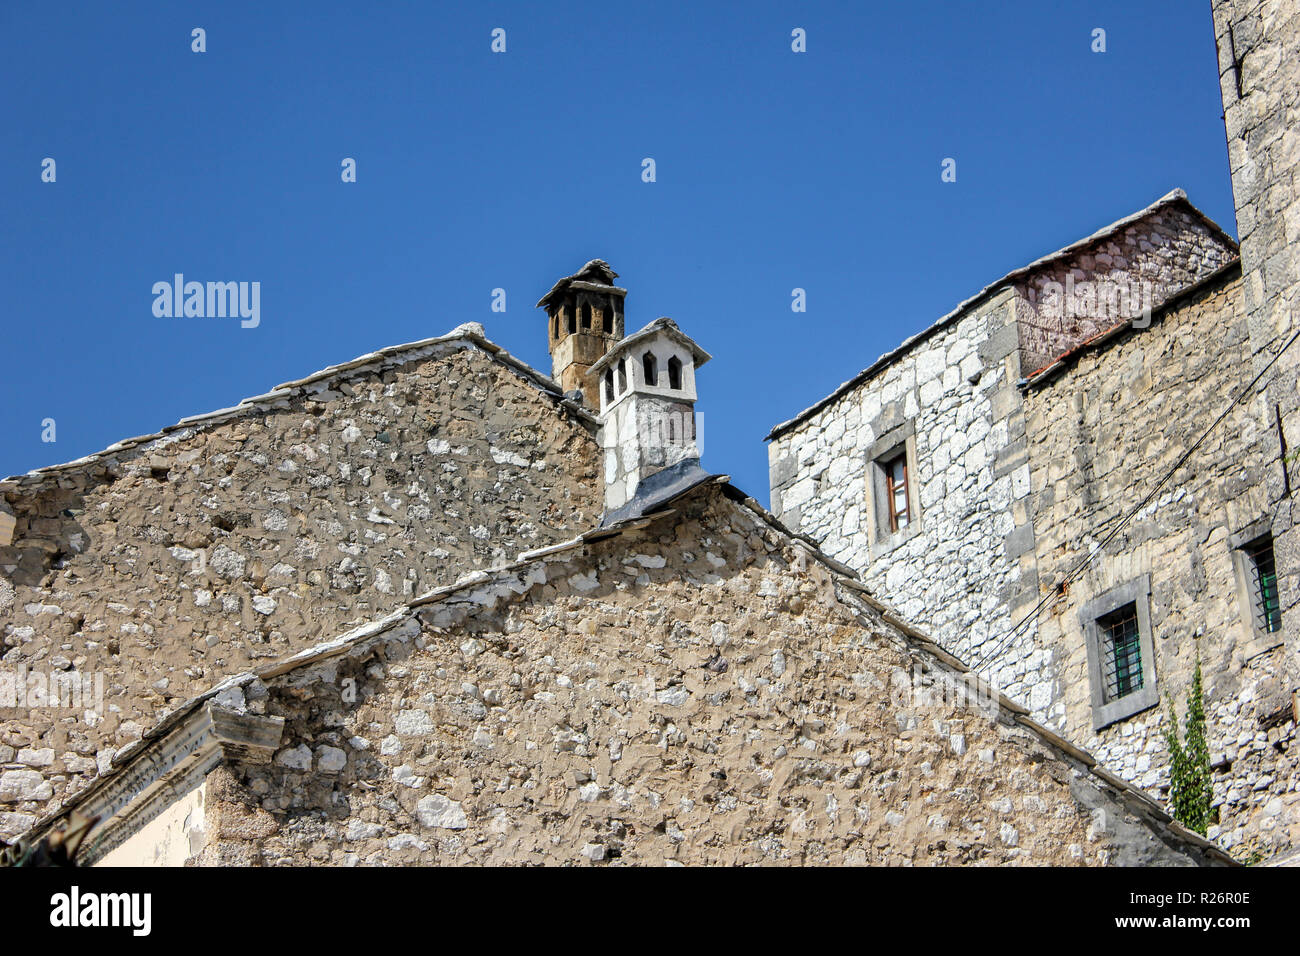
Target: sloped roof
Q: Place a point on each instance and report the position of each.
(484, 589)
(469, 335)
(662, 325)
(596, 276)
(1176, 196)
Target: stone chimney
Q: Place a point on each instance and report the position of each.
(647, 410)
(584, 314)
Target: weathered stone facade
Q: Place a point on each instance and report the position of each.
(698, 689)
(1259, 75)
(964, 569)
(165, 565)
(953, 398)
(1023, 458)
(1104, 428)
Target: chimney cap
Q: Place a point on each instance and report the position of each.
(596, 275)
(660, 326)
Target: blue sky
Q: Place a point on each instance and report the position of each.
(478, 170)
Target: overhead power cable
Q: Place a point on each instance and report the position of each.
(1078, 568)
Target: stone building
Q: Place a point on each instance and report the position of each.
(427, 607)
(1015, 484)
(433, 606)
(1259, 47)
(916, 472)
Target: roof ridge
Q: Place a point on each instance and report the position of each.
(1176, 195)
(469, 332)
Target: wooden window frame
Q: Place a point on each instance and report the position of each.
(891, 492)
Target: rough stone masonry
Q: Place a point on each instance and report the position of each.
(701, 689)
(171, 562)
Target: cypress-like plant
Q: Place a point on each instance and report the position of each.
(1191, 788)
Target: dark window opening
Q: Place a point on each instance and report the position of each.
(607, 319)
(674, 372)
(651, 366)
(609, 385)
(586, 315)
(622, 377)
(1266, 603)
(572, 319)
(896, 493)
(1121, 652)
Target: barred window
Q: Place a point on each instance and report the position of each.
(1121, 652)
(1266, 605)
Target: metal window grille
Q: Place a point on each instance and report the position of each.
(1267, 608)
(1122, 652)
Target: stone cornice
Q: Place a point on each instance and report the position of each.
(170, 767)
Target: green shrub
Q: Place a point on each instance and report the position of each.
(1191, 789)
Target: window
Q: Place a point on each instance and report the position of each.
(609, 385)
(900, 511)
(674, 373)
(572, 320)
(1266, 606)
(622, 377)
(893, 489)
(607, 319)
(1257, 578)
(1121, 653)
(651, 367)
(586, 315)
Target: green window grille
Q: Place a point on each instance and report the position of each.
(1122, 652)
(1268, 607)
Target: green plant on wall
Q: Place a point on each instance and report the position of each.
(1191, 790)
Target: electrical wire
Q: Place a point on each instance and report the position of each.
(1051, 595)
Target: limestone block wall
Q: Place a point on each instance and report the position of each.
(1258, 43)
(964, 567)
(1101, 434)
(706, 694)
(160, 569)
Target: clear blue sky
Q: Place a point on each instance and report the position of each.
(477, 170)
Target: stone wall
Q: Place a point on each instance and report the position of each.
(165, 567)
(700, 692)
(952, 572)
(1259, 65)
(1101, 434)
(965, 571)
(1148, 260)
